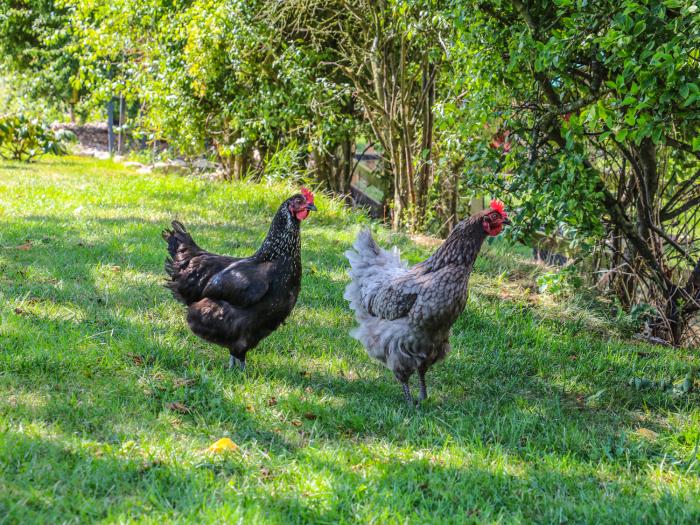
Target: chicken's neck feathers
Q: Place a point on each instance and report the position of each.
(461, 247)
(283, 240)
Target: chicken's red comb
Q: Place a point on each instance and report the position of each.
(308, 195)
(498, 206)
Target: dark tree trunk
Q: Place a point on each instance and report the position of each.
(426, 169)
(110, 126)
(334, 168)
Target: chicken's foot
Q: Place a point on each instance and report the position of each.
(234, 363)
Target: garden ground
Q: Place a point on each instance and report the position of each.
(108, 403)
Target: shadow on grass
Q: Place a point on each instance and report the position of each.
(11, 167)
(80, 264)
(493, 392)
(118, 482)
(112, 481)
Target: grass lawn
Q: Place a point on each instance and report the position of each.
(108, 403)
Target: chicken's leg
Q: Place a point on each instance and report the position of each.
(234, 362)
(407, 393)
(423, 390)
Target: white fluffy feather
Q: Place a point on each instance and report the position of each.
(371, 268)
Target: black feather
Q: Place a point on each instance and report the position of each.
(236, 302)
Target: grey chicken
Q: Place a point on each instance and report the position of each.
(405, 314)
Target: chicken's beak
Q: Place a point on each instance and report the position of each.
(311, 207)
(507, 222)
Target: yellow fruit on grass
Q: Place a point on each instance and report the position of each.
(222, 445)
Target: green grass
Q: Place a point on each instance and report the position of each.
(93, 351)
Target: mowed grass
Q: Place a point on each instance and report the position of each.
(108, 403)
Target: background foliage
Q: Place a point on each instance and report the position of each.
(584, 116)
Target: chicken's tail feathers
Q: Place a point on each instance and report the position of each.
(179, 242)
(367, 253)
(181, 249)
(179, 227)
(370, 267)
(366, 243)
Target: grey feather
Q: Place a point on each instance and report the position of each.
(404, 315)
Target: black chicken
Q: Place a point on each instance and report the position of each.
(237, 302)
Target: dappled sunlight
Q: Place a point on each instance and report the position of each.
(107, 396)
(22, 401)
(338, 275)
(46, 309)
(322, 318)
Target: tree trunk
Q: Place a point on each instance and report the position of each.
(240, 164)
(74, 99)
(110, 126)
(426, 169)
(344, 170)
(122, 120)
(397, 209)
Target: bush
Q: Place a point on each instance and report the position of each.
(23, 138)
(562, 282)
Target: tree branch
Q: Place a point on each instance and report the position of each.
(692, 291)
(559, 109)
(518, 5)
(687, 184)
(352, 173)
(682, 146)
(673, 243)
(669, 215)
